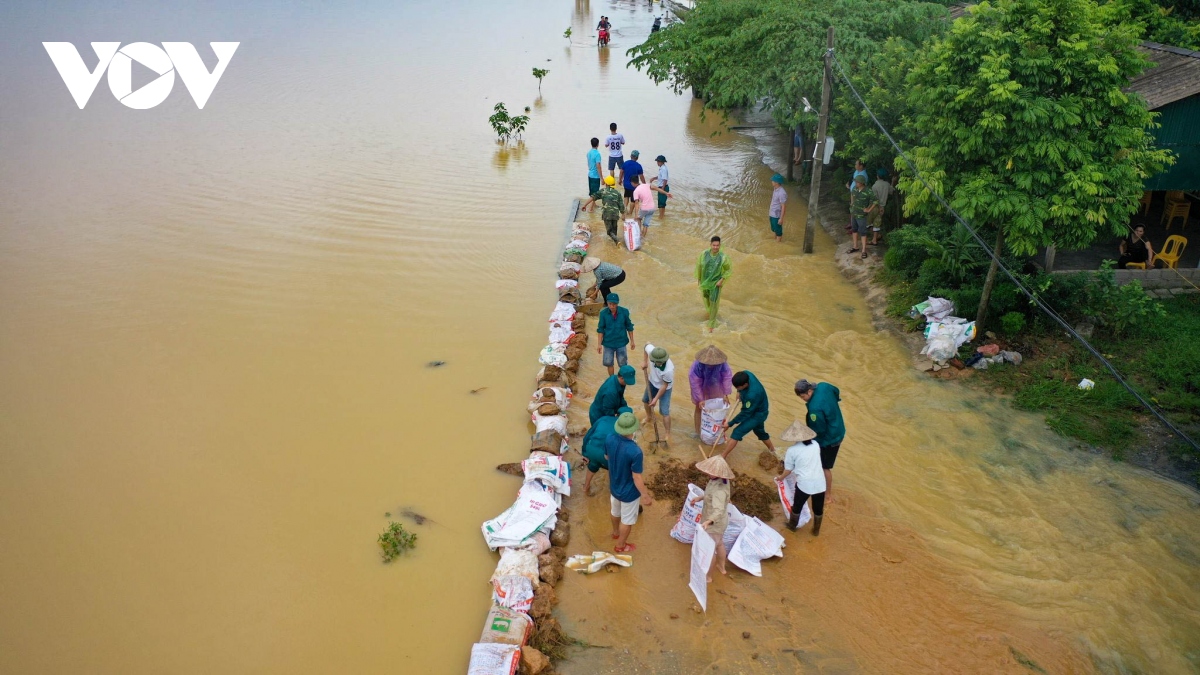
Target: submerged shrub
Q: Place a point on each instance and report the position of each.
(396, 540)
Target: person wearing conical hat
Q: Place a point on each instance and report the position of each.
(714, 516)
(710, 377)
(607, 274)
(593, 444)
(660, 383)
(803, 460)
(626, 488)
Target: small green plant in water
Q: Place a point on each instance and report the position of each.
(396, 540)
(539, 73)
(506, 126)
(567, 33)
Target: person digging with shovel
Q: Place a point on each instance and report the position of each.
(752, 416)
(592, 447)
(660, 383)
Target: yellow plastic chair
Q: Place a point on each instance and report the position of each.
(1135, 266)
(1147, 197)
(1175, 196)
(1172, 250)
(1174, 210)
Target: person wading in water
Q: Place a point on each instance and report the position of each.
(712, 269)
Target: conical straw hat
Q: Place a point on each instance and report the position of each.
(716, 466)
(797, 433)
(711, 356)
(590, 263)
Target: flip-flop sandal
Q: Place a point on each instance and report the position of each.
(628, 548)
(616, 536)
(864, 255)
(854, 250)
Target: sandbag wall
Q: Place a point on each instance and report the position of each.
(531, 535)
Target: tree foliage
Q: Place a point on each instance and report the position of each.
(740, 53)
(1022, 124)
(507, 126)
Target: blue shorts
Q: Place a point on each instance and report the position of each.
(593, 185)
(621, 354)
(646, 217)
(615, 163)
(861, 226)
(664, 403)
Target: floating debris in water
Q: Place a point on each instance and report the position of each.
(417, 518)
(436, 364)
(476, 391)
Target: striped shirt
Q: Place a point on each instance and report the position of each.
(606, 271)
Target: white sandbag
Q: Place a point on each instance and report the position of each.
(712, 416)
(550, 423)
(756, 543)
(538, 544)
(684, 530)
(513, 592)
(590, 564)
(563, 311)
(576, 244)
(491, 658)
(553, 355)
(535, 505)
(516, 562)
(566, 283)
(560, 333)
(633, 234)
(943, 338)
(737, 522)
(552, 472)
(787, 490)
(562, 398)
(940, 347)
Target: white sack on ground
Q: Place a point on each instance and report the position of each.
(756, 543)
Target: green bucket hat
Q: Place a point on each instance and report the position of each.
(658, 355)
(626, 424)
(628, 374)
(777, 179)
(635, 154)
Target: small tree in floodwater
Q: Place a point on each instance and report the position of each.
(507, 126)
(539, 73)
(567, 33)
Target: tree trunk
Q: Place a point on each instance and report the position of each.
(990, 282)
(791, 153)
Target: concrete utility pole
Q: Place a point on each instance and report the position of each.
(814, 190)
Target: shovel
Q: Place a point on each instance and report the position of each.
(657, 441)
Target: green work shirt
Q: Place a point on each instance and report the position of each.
(754, 406)
(611, 201)
(593, 441)
(861, 200)
(825, 415)
(614, 330)
(610, 398)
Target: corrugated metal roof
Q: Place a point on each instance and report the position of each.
(1174, 76)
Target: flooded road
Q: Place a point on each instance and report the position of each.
(213, 376)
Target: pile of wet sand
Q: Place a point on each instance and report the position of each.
(752, 496)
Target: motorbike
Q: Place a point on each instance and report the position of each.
(602, 40)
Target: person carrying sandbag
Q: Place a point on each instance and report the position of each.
(803, 459)
(714, 518)
(607, 274)
(592, 447)
(710, 377)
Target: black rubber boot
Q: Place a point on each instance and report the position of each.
(793, 521)
(817, 525)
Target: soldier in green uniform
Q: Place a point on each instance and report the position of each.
(612, 205)
(862, 203)
(752, 399)
(610, 397)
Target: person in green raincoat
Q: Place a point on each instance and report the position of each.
(712, 269)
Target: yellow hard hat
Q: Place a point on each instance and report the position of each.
(609, 180)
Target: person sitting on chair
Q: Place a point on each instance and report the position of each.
(1136, 249)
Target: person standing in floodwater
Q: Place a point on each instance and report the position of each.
(778, 206)
(712, 269)
(643, 194)
(710, 377)
(616, 331)
(663, 176)
(752, 399)
(825, 418)
(594, 167)
(804, 460)
(714, 517)
(614, 143)
(631, 171)
(612, 205)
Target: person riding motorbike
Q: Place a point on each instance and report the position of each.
(603, 27)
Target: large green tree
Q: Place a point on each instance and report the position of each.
(741, 53)
(1023, 126)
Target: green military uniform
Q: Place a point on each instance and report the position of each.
(610, 398)
(753, 413)
(825, 415)
(612, 205)
(861, 199)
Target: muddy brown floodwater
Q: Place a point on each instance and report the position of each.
(213, 381)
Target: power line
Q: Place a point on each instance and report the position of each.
(1000, 263)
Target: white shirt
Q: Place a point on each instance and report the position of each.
(661, 378)
(804, 460)
(663, 174)
(614, 143)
